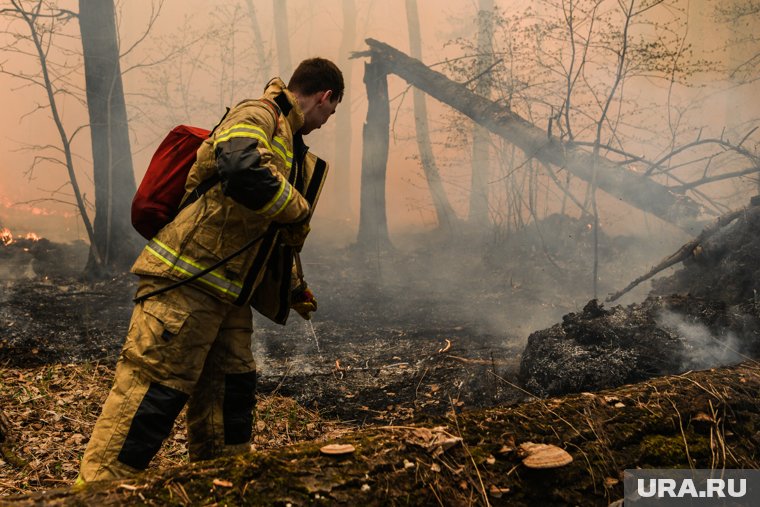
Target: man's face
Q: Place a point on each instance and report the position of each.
(324, 107)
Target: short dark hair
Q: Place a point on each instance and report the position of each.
(316, 75)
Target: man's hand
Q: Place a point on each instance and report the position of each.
(294, 235)
(303, 302)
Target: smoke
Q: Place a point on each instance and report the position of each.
(702, 348)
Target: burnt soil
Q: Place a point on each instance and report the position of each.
(400, 333)
(414, 332)
(401, 336)
(381, 353)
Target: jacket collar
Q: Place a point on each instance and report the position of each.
(277, 92)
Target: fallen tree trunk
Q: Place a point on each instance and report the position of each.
(704, 419)
(635, 189)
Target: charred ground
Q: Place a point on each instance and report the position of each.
(401, 336)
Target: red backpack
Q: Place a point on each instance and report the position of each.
(158, 198)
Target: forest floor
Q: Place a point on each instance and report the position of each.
(400, 337)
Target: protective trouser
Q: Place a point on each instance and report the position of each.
(183, 346)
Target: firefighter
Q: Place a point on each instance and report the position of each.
(191, 345)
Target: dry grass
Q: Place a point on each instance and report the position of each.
(52, 410)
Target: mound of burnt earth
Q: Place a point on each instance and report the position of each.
(600, 348)
(706, 314)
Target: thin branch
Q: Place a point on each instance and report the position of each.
(712, 179)
(154, 13)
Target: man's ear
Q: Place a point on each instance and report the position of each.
(325, 96)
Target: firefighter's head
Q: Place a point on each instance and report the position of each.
(317, 83)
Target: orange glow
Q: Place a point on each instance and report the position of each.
(6, 238)
(32, 236)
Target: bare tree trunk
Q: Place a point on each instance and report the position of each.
(638, 191)
(373, 221)
(444, 212)
(282, 37)
(116, 239)
(341, 179)
(481, 145)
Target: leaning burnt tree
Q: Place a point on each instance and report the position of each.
(636, 189)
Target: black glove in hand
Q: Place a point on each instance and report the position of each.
(303, 302)
(294, 235)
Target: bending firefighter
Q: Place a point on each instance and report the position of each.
(192, 344)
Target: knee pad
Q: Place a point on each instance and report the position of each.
(151, 424)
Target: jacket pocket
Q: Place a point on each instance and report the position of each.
(154, 338)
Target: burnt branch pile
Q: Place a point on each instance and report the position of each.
(706, 314)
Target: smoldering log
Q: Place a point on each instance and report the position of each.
(635, 189)
(704, 419)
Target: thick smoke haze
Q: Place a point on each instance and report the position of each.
(688, 77)
(197, 57)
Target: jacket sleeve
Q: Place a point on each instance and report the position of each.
(244, 159)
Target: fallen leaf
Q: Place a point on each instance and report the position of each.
(222, 483)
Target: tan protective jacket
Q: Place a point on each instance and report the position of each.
(262, 187)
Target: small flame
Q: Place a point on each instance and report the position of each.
(6, 237)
